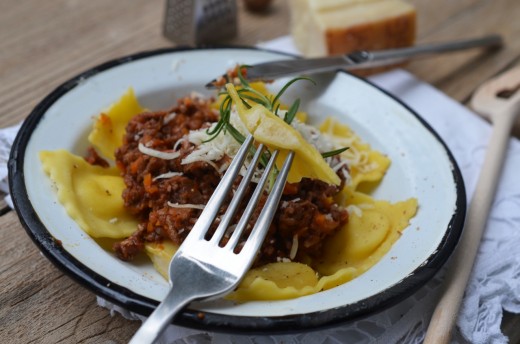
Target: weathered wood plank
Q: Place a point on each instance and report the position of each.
(108, 30)
(4, 208)
(42, 305)
(105, 35)
(460, 73)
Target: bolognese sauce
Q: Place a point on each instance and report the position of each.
(167, 195)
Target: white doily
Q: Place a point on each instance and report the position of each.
(7, 136)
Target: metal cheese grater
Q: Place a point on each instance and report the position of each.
(193, 22)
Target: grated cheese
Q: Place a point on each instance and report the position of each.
(313, 136)
(186, 206)
(358, 209)
(168, 175)
(158, 154)
(354, 157)
(222, 145)
(169, 117)
(294, 247)
(283, 260)
(214, 150)
(326, 142)
(354, 209)
(179, 142)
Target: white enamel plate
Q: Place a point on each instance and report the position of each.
(422, 167)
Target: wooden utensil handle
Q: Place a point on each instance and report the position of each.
(445, 314)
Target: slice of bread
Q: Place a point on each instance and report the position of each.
(332, 27)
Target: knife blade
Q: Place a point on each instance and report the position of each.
(359, 59)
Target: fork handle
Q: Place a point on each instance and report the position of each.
(152, 328)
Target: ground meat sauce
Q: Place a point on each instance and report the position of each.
(93, 158)
(306, 212)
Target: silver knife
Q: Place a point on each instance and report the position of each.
(360, 59)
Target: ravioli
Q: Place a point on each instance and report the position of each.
(90, 194)
(92, 197)
(109, 127)
(160, 254)
(365, 164)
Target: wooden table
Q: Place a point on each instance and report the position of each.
(43, 43)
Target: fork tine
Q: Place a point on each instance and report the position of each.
(263, 222)
(237, 198)
(244, 219)
(211, 209)
(272, 200)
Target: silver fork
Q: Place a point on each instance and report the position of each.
(202, 268)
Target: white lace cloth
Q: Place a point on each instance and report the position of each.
(495, 282)
(7, 136)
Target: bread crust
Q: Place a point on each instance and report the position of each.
(319, 33)
(384, 34)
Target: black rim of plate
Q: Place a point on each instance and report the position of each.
(131, 301)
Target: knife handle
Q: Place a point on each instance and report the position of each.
(385, 57)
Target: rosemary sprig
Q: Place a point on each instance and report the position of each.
(334, 152)
(225, 114)
(249, 95)
(246, 87)
(241, 77)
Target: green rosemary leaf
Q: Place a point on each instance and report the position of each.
(225, 110)
(264, 100)
(334, 152)
(241, 77)
(276, 110)
(286, 86)
(237, 135)
(272, 178)
(246, 104)
(264, 158)
(215, 129)
(211, 138)
(252, 98)
(215, 132)
(289, 115)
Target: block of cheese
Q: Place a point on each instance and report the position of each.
(332, 27)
